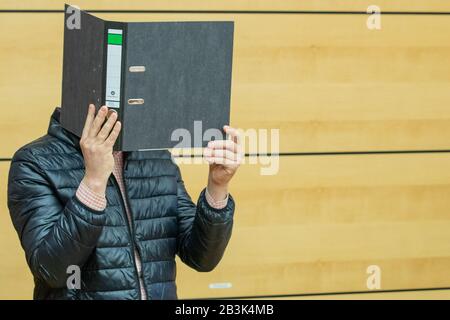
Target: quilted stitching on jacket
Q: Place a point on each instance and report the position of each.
(56, 230)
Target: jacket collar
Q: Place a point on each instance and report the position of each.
(56, 130)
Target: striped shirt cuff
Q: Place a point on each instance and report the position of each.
(215, 204)
(90, 198)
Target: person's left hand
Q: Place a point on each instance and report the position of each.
(224, 158)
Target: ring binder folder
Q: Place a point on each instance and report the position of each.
(137, 69)
(135, 101)
(181, 69)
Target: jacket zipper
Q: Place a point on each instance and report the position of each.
(130, 226)
(134, 243)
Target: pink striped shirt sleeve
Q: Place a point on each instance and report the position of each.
(90, 198)
(98, 202)
(216, 204)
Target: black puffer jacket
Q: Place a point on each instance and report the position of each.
(56, 230)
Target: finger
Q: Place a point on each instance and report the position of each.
(98, 121)
(233, 133)
(221, 160)
(88, 122)
(110, 112)
(114, 134)
(236, 137)
(223, 144)
(220, 153)
(109, 124)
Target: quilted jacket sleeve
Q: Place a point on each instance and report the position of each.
(54, 236)
(204, 232)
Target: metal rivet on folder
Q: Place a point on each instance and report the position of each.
(137, 69)
(135, 101)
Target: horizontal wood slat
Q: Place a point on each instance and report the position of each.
(399, 295)
(256, 5)
(321, 221)
(326, 82)
(316, 234)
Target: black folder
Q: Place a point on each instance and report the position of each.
(168, 81)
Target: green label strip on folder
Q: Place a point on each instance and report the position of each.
(114, 38)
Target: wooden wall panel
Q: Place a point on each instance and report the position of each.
(326, 81)
(318, 233)
(402, 295)
(321, 221)
(329, 84)
(285, 5)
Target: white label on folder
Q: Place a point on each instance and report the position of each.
(113, 67)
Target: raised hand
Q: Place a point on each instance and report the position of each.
(224, 158)
(97, 141)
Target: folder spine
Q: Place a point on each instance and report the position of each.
(113, 81)
(83, 68)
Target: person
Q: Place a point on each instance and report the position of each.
(115, 219)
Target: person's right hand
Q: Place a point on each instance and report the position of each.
(97, 141)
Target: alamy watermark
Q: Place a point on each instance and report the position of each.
(74, 277)
(263, 146)
(374, 20)
(373, 281)
(73, 18)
